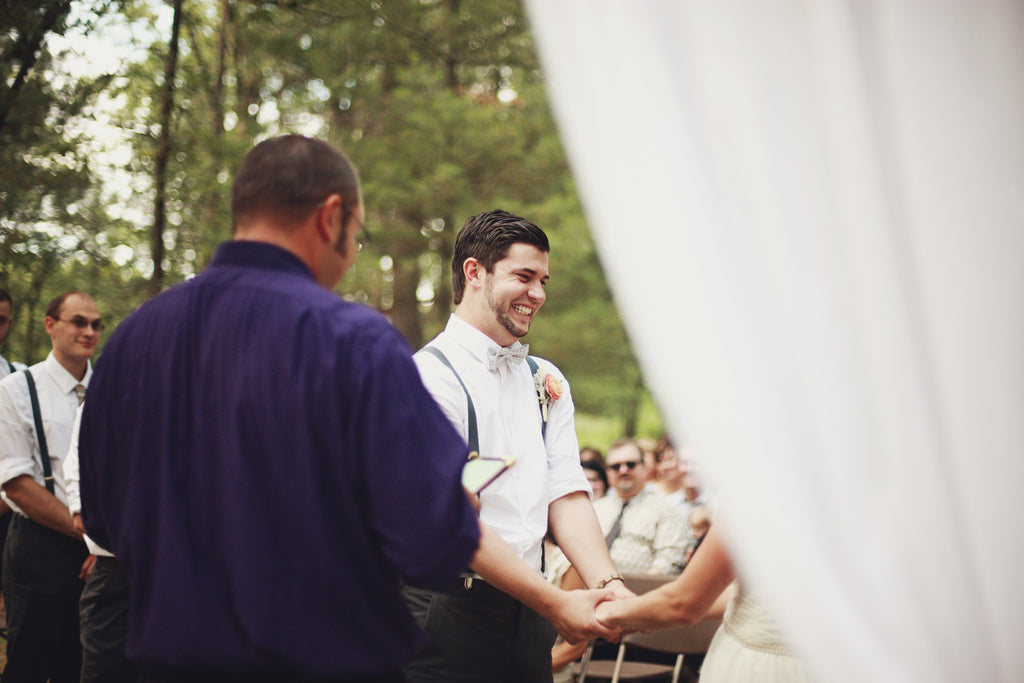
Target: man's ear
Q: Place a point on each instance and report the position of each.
(49, 323)
(474, 271)
(328, 219)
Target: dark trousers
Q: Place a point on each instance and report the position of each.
(5, 524)
(479, 635)
(201, 676)
(103, 620)
(41, 589)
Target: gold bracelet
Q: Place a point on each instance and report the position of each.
(614, 576)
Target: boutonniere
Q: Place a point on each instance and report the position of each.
(549, 390)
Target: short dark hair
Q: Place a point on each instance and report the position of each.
(487, 237)
(288, 176)
(591, 453)
(53, 308)
(596, 466)
(4, 296)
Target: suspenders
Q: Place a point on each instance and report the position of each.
(473, 437)
(44, 452)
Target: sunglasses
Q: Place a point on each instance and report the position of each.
(629, 465)
(81, 323)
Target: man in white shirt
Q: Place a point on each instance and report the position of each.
(492, 626)
(6, 310)
(6, 368)
(645, 532)
(44, 553)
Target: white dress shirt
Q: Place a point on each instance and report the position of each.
(653, 533)
(5, 367)
(19, 448)
(508, 423)
(71, 484)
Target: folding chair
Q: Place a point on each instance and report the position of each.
(680, 641)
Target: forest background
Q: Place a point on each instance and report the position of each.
(117, 181)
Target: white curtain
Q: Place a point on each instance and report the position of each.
(811, 215)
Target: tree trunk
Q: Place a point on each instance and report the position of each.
(632, 409)
(405, 314)
(163, 154)
(451, 79)
(439, 312)
(217, 127)
(46, 266)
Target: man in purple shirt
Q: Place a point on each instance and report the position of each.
(262, 456)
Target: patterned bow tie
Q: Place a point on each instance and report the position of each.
(511, 354)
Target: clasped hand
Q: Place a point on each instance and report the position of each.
(579, 621)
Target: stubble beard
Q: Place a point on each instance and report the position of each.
(502, 315)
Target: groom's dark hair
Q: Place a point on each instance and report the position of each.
(487, 237)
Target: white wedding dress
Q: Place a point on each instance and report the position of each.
(749, 647)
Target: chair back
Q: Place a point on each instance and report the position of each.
(642, 583)
(686, 640)
(682, 640)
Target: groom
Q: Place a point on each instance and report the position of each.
(497, 624)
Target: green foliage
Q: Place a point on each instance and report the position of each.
(55, 232)
(439, 103)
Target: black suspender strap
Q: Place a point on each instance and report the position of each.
(44, 452)
(534, 369)
(473, 438)
(10, 365)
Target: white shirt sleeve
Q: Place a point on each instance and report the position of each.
(565, 475)
(17, 431)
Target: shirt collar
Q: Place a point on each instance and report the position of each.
(66, 382)
(472, 339)
(261, 255)
(644, 493)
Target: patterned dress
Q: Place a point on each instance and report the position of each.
(749, 647)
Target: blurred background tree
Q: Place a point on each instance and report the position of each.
(439, 103)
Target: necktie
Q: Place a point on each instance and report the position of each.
(613, 533)
(507, 354)
(80, 393)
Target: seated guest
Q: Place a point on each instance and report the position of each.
(645, 533)
(594, 470)
(591, 453)
(700, 524)
(677, 477)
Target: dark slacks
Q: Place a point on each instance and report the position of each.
(41, 590)
(479, 635)
(103, 620)
(5, 524)
(200, 676)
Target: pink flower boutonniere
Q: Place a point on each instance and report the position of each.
(549, 390)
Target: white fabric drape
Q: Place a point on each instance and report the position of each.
(811, 215)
